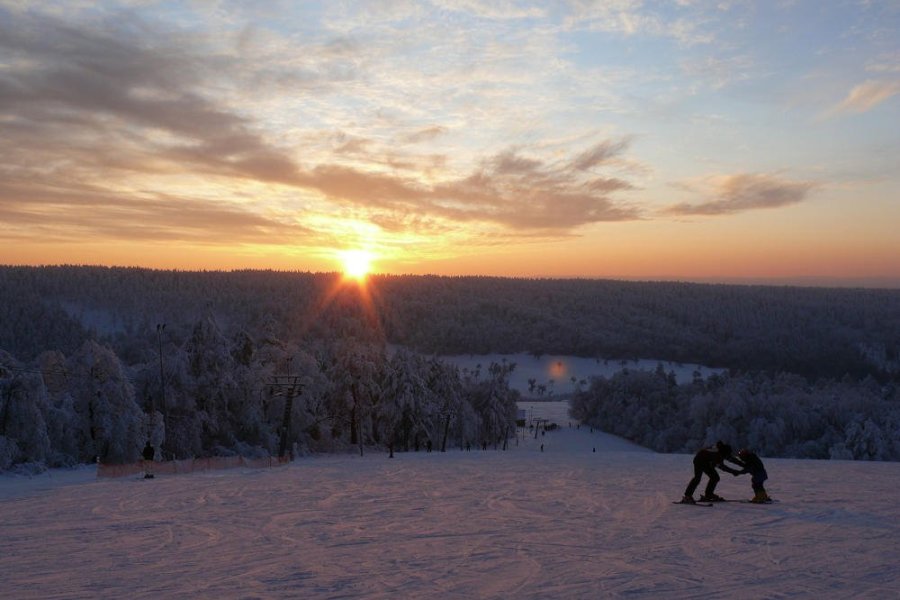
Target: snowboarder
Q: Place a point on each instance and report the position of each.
(706, 461)
(149, 453)
(758, 475)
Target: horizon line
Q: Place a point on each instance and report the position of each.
(804, 281)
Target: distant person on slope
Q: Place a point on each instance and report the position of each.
(706, 461)
(758, 475)
(149, 453)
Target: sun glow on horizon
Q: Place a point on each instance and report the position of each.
(357, 264)
(649, 164)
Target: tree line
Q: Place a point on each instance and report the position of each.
(218, 395)
(813, 332)
(82, 349)
(779, 414)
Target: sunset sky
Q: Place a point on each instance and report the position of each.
(693, 140)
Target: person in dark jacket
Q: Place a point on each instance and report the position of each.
(149, 453)
(758, 475)
(705, 462)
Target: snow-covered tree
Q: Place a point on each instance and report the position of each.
(494, 402)
(354, 369)
(23, 403)
(108, 420)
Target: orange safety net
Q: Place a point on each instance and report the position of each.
(192, 465)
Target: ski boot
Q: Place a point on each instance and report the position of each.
(712, 498)
(760, 498)
(688, 500)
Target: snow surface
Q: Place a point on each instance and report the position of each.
(567, 522)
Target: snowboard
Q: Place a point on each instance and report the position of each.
(707, 504)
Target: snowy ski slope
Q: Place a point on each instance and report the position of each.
(567, 522)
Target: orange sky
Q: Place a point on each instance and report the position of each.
(691, 140)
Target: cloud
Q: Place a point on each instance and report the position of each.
(99, 120)
(633, 17)
(866, 96)
(731, 194)
(719, 72)
(886, 63)
(85, 211)
(599, 154)
(80, 91)
(508, 189)
(509, 162)
(426, 135)
(493, 9)
(532, 194)
(85, 111)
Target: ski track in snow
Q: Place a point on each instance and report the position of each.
(564, 523)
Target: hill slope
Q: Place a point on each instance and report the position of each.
(564, 523)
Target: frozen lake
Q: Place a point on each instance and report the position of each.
(561, 374)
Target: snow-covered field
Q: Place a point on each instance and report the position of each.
(567, 522)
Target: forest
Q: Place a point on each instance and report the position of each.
(778, 414)
(95, 360)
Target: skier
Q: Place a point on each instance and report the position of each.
(149, 454)
(758, 475)
(706, 461)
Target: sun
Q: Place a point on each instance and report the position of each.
(356, 263)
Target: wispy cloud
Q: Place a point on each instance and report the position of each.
(425, 135)
(632, 17)
(729, 194)
(600, 154)
(74, 92)
(526, 192)
(509, 189)
(80, 212)
(866, 96)
(719, 72)
(419, 124)
(494, 9)
(885, 63)
(90, 111)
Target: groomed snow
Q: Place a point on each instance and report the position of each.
(564, 523)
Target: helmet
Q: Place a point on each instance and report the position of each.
(743, 453)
